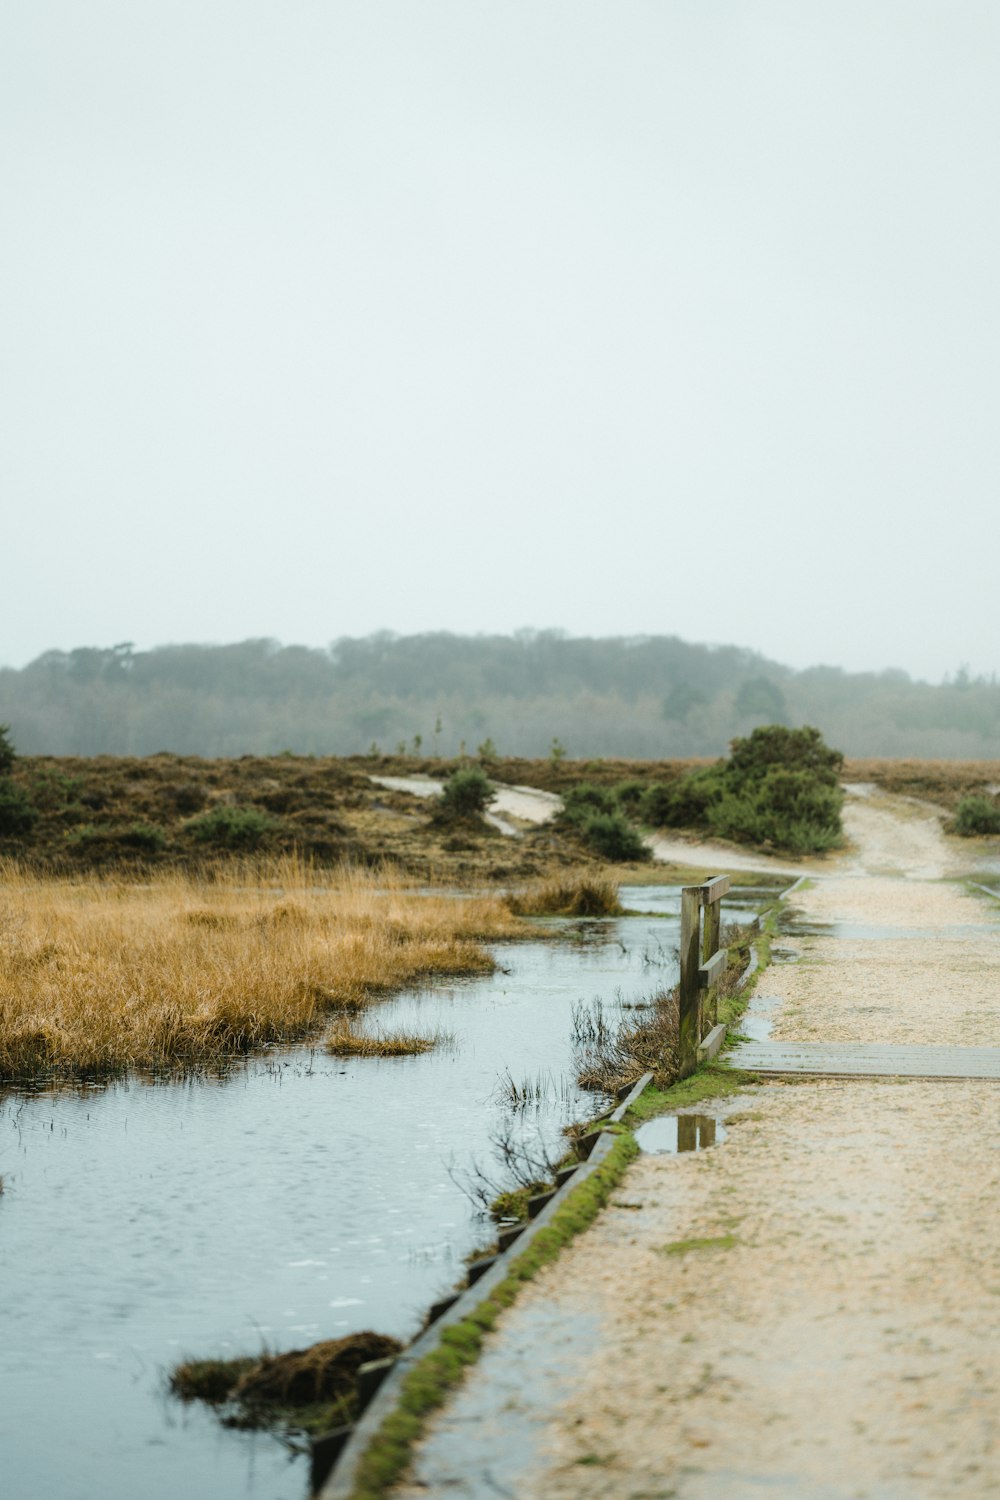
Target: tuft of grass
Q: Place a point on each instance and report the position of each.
(209, 1380)
(428, 1383)
(513, 1202)
(570, 895)
(100, 976)
(307, 1390)
(344, 1041)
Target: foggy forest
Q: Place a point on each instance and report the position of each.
(446, 694)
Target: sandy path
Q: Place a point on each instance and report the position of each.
(842, 1338)
(525, 804)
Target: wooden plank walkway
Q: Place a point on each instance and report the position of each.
(866, 1060)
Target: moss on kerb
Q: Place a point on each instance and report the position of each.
(711, 1081)
(428, 1383)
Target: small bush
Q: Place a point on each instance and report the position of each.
(580, 802)
(143, 836)
(232, 827)
(977, 814)
(614, 838)
(789, 809)
(791, 749)
(184, 797)
(466, 794)
(629, 795)
(779, 787)
(684, 803)
(17, 815)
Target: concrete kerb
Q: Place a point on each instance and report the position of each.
(336, 1458)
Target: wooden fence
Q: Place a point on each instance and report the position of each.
(703, 962)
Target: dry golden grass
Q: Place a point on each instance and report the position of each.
(945, 782)
(348, 1041)
(99, 976)
(575, 894)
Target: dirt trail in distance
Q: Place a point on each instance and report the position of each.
(812, 1308)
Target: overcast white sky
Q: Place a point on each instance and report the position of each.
(326, 316)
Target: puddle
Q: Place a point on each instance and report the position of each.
(868, 932)
(757, 1021)
(668, 1135)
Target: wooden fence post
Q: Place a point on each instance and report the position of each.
(689, 991)
(709, 946)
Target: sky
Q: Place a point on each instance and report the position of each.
(320, 317)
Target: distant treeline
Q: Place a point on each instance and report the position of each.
(651, 697)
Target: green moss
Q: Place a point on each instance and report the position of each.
(513, 1204)
(428, 1383)
(706, 1242)
(712, 1081)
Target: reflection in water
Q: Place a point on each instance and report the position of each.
(670, 1134)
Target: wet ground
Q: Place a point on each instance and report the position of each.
(811, 1308)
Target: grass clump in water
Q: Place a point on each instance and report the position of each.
(308, 1390)
(567, 896)
(209, 1380)
(345, 1041)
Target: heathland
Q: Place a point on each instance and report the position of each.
(159, 812)
(171, 912)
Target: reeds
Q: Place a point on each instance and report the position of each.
(99, 976)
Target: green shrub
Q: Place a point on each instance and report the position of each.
(580, 802)
(789, 809)
(613, 837)
(977, 814)
(232, 827)
(793, 749)
(778, 787)
(629, 795)
(466, 793)
(146, 837)
(17, 815)
(684, 803)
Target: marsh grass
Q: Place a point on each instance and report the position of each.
(100, 976)
(349, 1041)
(307, 1390)
(576, 894)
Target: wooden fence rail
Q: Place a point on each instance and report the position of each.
(702, 964)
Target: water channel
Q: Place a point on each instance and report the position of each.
(301, 1197)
